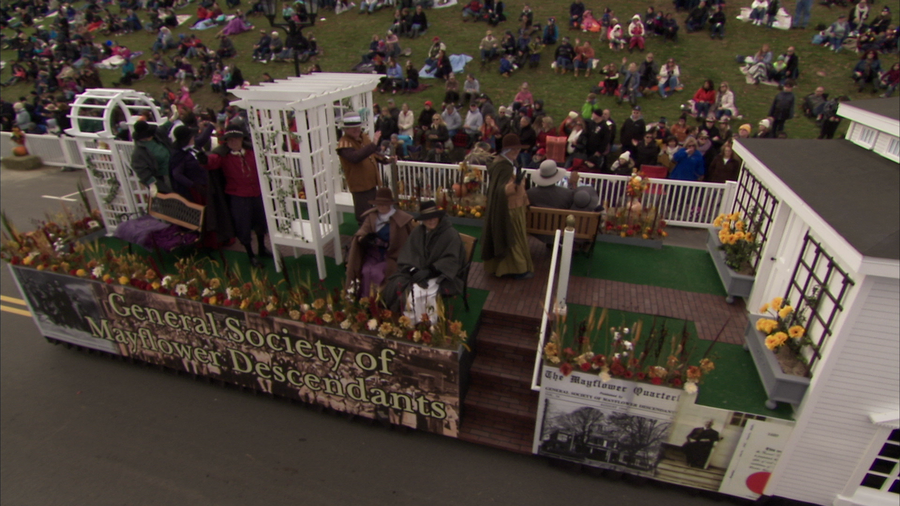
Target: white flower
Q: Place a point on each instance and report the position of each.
(628, 344)
(167, 281)
(690, 387)
(97, 272)
(33, 254)
(181, 289)
(604, 376)
(207, 292)
(345, 324)
(92, 225)
(617, 356)
(618, 336)
(304, 307)
(372, 324)
(627, 331)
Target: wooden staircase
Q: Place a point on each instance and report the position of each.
(500, 409)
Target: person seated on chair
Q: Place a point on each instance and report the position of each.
(150, 158)
(428, 265)
(374, 248)
(546, 193)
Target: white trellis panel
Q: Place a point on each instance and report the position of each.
(295, 135)
(96, 115)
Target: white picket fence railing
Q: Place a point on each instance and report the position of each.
(682, 203)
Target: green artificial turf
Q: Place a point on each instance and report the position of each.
(686, 269)
(733, 385)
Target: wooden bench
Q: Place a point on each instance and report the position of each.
(178, 212)
(546, 221)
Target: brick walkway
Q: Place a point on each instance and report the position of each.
(526, 298)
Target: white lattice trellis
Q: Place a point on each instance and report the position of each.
(96, 115)
(294, 131)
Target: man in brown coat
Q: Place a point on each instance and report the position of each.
(375, 247)
(359, 157)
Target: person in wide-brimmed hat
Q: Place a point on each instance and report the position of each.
(546, 193)
(428, 266)
(359, 156)
(375, 247)
(505, 251)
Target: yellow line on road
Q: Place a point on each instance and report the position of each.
(12, 300)
(14, 310)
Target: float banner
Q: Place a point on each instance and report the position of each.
(392, 381)
(618, 425)
(657, 432)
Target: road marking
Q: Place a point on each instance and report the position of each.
(12, 300)
(14, 310)
(67, 198)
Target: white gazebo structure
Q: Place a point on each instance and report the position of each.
(294, 128)
(832, 248)
(96, 115)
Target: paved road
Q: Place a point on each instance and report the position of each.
(80, 429)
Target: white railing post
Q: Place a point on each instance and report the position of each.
(565, 266)
(548, 301)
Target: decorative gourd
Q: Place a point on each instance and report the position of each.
(20, 151)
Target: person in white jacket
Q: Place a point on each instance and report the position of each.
(669, 78)
(758, 10)
(636, 31)
(725, 102)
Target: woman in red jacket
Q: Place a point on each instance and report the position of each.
(704, 99)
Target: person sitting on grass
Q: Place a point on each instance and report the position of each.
(669, 78)
(584, 58)
(616, 36)
(717, 23)
(867, 71)
(564, 56)
(636, 33)
(697, 18)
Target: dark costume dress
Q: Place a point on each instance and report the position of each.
(440, 253)
(699, 445)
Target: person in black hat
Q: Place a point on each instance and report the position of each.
(632, 128)
(189, 177)
(150, 158)
(238, 165)
(375, 247)
(428, 265)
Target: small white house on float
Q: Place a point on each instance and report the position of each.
(832, 248)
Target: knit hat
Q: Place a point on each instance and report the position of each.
(764, 123)
(745, 126)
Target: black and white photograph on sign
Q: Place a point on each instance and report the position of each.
(604, 438)
(60, 306)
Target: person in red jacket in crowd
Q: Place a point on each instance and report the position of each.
(704, 99)
(238, 164)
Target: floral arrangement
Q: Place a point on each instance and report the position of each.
(633, 219)
(471, 177)
(738, 239)
(784, 329)
(626, 352)
(207, 281)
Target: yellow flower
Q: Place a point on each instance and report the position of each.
(735, 216)
(776, 340)
(707, 365)
(551, 350)
(155, 285)
(785, 312)
(123, 280)
(81, 272)
(739, 225)
(245, 303)
(718, 222)
(796, 331)
(766, 325)
(764, 308)
(28, 260)
(776, 303)
(213, 300)
(40, 267)
(738, 235)
(214, 283)
(106, 276)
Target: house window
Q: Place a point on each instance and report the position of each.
(882, 474)
(817, 291)
(741, 419)
(755, 202)
(866, 136)
(893, 148)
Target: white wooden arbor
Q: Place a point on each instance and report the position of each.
(294, 131)
(95, 116)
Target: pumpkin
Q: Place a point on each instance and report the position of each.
(20, 151)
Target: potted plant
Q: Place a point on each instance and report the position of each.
(776, 339)
(731, 248)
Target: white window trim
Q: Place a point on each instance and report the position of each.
(887, 153)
